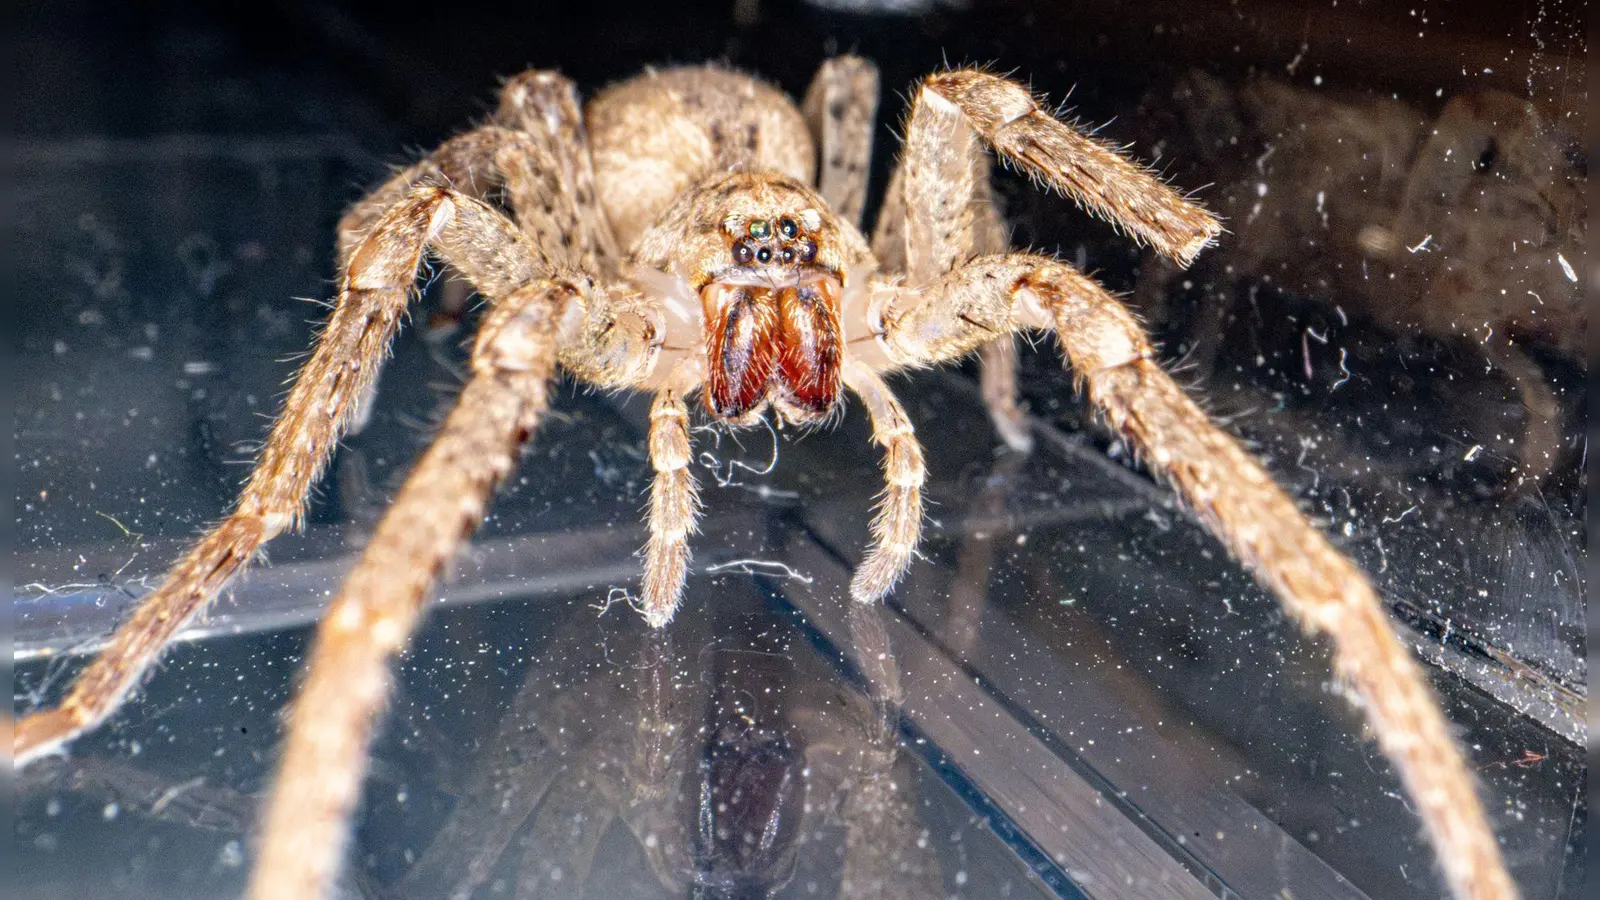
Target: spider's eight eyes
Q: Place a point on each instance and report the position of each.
(757, 244)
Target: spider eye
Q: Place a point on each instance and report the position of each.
(743, 253)
(808, 251)
(786, 256)
(764, 255)
(760, 230)
(787, 229)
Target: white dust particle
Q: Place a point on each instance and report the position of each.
(1566, 267)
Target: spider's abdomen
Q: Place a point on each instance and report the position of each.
(655, 135)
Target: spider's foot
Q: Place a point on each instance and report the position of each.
(879, 573)
(1012, 426)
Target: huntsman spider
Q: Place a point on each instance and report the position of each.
(694, 231)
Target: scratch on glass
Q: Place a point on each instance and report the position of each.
(1340, 383)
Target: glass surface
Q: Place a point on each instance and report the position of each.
(1075, 693)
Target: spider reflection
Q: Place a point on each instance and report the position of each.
(689, 764)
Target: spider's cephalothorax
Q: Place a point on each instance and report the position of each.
(690, 230)
(772, 318)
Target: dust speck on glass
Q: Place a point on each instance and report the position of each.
(1073, 688)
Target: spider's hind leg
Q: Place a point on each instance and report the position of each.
(543, 105)
(997, 360)
(1238, 501)
(997, 384)
(840, 108)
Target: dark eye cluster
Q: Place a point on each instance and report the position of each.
(758, 244)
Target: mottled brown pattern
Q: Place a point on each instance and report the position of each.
(1262, 527)
(545, 106)
(621, 264)
(841, 109)
(642, 166)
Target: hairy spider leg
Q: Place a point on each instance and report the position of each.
(841, 109)
(326, 396)
(1230, 492)
(544, 105)
(936, 142)
(1237, 501)
(897, 526)
(674, 502)
(371, 621)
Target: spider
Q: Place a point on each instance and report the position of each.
(693, 230)
(724, 780)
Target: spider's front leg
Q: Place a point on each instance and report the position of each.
(1237, 501)
(940, 211)
(380, 242)
(1093, 173)
(371, 620)
(538, 317)
(324, 399)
